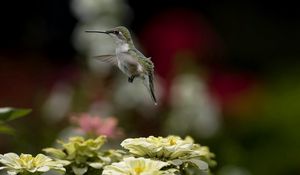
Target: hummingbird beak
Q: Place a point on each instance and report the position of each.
(90, 31)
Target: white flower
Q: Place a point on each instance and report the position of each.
(170, 147)
(26, 163)
(137, 166)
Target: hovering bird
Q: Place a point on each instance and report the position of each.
(128, 59)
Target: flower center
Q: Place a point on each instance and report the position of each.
(172, 141)
(138, 170)
(26, 161)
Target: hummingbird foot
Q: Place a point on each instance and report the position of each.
(130, 79)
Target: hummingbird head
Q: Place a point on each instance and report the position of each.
(120, 34)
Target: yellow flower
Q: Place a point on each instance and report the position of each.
(137, 166)
(84, 155)
(27, 164)
(78, 149)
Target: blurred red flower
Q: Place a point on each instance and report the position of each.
(173, 37)
(95, 125)
(173, 32)
(240, 94)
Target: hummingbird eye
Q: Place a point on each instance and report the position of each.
(116, 32)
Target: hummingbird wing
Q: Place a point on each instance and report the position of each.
(136, 53)
(108, 59)
(149, 71)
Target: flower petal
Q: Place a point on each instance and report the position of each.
(79, 171)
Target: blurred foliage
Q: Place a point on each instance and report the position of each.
(8, 114)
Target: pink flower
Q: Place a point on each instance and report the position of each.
(95, 125)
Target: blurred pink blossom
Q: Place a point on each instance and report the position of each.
(96, 125)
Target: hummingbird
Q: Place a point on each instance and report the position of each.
(128, 59)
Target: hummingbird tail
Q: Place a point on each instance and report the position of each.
(151, 87)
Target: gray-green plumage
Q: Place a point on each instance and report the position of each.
(129, 60)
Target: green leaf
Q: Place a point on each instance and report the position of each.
(4, 129)
(8, 113)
